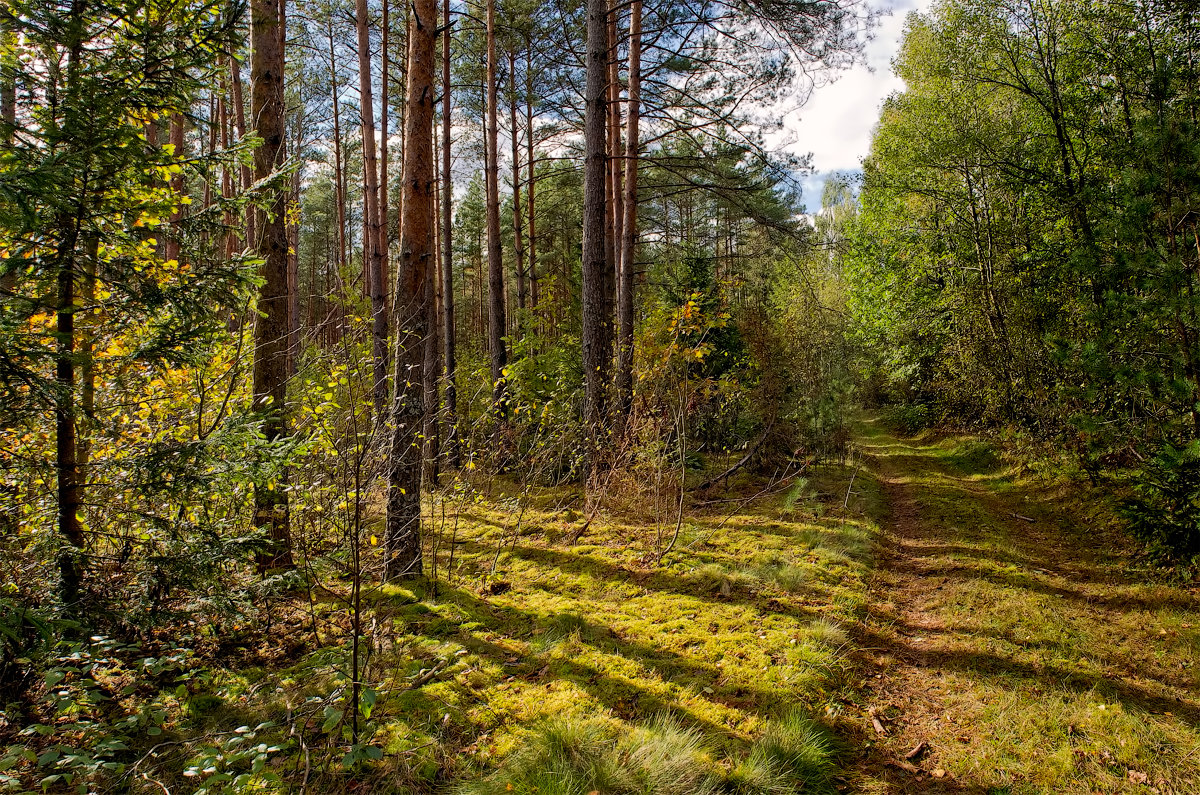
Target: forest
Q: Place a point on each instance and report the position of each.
(467, 398)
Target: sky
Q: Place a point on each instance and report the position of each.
(835, 124)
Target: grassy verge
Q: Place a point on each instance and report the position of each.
(1017, 640)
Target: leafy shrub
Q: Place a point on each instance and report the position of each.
(1164, 512)
(907, 417)
(975, 457)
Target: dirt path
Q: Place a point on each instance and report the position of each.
(1006, 647)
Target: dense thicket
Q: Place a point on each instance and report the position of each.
(1028, 242)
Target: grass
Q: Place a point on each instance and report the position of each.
(555, 653)
(1045, 666)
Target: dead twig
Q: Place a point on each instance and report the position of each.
(425, 676)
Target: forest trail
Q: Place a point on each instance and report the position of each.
(1005, 648)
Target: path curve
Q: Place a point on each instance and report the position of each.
(1005, 648)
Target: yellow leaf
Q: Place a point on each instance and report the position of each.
(374, 540)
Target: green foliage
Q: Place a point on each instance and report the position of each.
(1164, 511)
(1072, 311)
(907, 418)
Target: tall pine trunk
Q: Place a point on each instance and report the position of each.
(271, 327)
(339, 192)
(402, 536)
(448, 341)
(384, 248)
(433, 360)
(596, 322)
(629, 221)
(530, 185)
(372, 233)
(239, 117)
(518, 243)
(497, 321)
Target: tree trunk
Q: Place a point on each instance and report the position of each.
(629, 222)
(497, 321)
(529, 190)
(239, 117)
(372, 254)
(614, 141)
(71, 558)
(339, 169)
(518, 243)
(432, 367)
(384, 248)
(8, 120)
(270, 329)
(595, 340)
(448, 341)
(402, 537)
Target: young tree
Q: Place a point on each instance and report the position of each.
(82, 196)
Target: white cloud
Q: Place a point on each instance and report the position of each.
(835, 124)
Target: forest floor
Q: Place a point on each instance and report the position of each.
(1007, 646)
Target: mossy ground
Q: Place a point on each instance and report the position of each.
(739, 623)
(985, 616)
(1008, 633)
(540, 608)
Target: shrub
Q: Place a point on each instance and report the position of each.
(1164, 511)
(907, 418)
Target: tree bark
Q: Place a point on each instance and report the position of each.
(595, 339)
(372, 235)
(270, 329)
(497, 321)
(432, 366)
(629, 221)
(339, 171)
(402, 536)
(614, 142)
(448, 341)
(530, 185)
(239, 117)
(518, 243)
(384, 248)
(8, 119)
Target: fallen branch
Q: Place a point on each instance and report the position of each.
(762, 437)
(1024, 518)
(424, 677)
(920, 749)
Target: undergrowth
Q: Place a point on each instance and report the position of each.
(555, 648)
